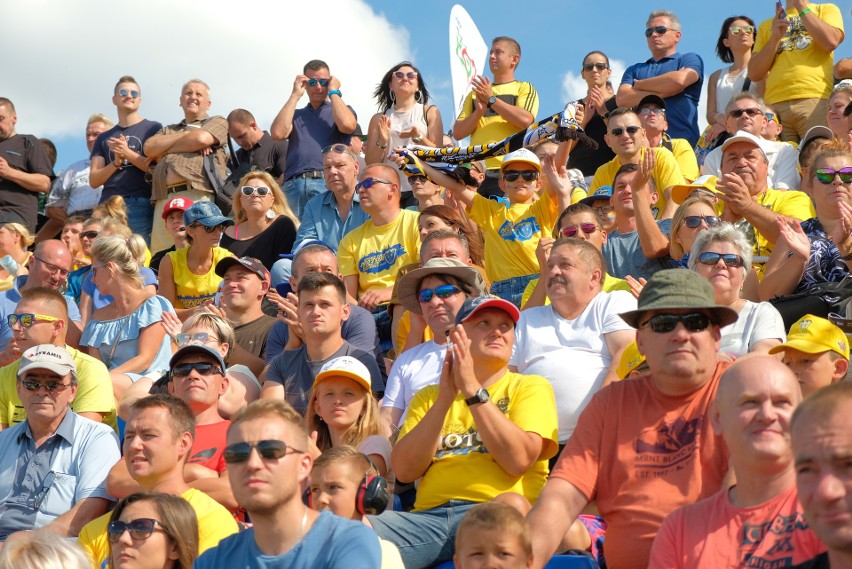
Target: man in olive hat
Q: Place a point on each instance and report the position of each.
(646, 446)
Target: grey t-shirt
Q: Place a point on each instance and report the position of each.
(623, 254)
(293, 370)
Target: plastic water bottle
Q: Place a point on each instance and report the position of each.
(10, 265)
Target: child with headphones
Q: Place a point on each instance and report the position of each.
(346, 482)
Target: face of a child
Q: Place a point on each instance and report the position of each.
(481, 549)
(812, 370)
(333, 487)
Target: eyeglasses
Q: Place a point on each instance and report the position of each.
(96, 267)
(513, 175)
(89, 234)
(646, 111)
(730, 259)
(368, 183)
(313, 82)
(52, 387)
(737, 30)
(665, 323)
(259, 190)
(443, 291)
(772, 117)
(693, 221)
(140, 529)
(268, 450)
(212, 228)
(737, 113)
(49, 479)
(659, 30)
(338, 149)
(198, 338)
(124, 93)
(598, 66)
(27, 319)
(631, 130)
(203, 368)
(401, 75)
(572, 230)
(417, 179)
(52, 269)
(603, 209)
(826, 175)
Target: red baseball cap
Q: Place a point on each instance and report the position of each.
(176, 204)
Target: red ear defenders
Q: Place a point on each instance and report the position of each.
(372, 496)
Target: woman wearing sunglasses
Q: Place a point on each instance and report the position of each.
(266, 226)
(188, 276)
(692, 217)
(722, 255)
(599, 100)
(817, 250)
(405, 117)
(734, 46)
(14, 241)
(152, 531)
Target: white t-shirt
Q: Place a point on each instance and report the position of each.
(783, 159)
(412, 371)
(571, 354)
(757, 321)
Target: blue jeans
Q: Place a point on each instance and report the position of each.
(140, 216)
(424, 538)
(512, 289)
(299, 190)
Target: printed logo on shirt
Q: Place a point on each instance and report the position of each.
(455, 440)
(194, 301)
(381, 261)
(523, 230)
(797, 37)
(666, 448)
(775, 540)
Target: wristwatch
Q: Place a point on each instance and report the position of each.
(481, 396)
(335, 92)
(491, 100)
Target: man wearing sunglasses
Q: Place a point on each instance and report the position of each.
(794, 52)
(189, 155)
(324, 121)
(652, 116)
(746, 112)
(55, 460)
(158, 441)
(119, 163)
(654, 447)
(676, 77)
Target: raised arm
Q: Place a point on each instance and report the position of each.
(282, 126)
(343, 116)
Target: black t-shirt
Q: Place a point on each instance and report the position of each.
(154, 265)
(128, 181)
(583, 157)
(25, 153)
(278, 238)
(267, 155)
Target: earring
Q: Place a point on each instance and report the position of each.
(418, 96)
(392, 98)
(270, 214)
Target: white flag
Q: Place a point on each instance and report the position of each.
(468, 54)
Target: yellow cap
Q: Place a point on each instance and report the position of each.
(814, 335)
(631, 359)
(683, 191)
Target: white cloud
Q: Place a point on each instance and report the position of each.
(249, 52)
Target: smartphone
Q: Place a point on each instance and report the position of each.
(780, 6)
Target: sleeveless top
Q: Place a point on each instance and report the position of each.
(191, 289)
(729, 85)
(400, 121)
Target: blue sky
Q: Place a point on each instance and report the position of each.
(250, 58)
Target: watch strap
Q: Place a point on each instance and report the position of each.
(335, 92)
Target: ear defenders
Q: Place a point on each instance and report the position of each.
(372, 496)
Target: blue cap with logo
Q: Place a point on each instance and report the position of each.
(602, 193)
(205, 213)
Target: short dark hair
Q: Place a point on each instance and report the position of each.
(314, 65)
(444, 234)
(313, 282)
(585, 250)
(125, 79)
(574, 209)
(625, 168)
(180, 415)
(511, 41)
(241, 116)
(618, 111)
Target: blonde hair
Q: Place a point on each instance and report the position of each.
(279, 202)
(122, 252)
(43, 549)
(113, 207)
(366, 425)
(221, 328)
(496, 517)
(675, 250)
(26, 238)
(99, 117)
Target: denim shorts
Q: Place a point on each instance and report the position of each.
(299, 190)
(512, 289)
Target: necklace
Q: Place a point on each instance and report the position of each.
(301, 529)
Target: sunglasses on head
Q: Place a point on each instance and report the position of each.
(598, 66)
(737, 30)
(404, 75)
(125, 92)
(313, 82)
(52, 387)
(203, 368)
(730, 259)
(199, 338)
(368, 183)
(659, 30)
(572, 230)
(826, 175)
(443, 291)
(89, 234)
(631, 130)
(269, 450)
(140, 529)
(737, 113)
(513, 175)
(259, 190)
(338, 149)
(772, 117)
(28, 319)
(693, 221)
(664, 323)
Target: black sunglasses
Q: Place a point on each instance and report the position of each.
(693, 221)
(711, 258)
(212, 228)
(204, 368)
(140, 529)
(618, 131)
(89, 234)
(751, 111)
(52, 387)
(665, 323)
(598, 66)
(268, 450)
(659, 30)
(513, 175)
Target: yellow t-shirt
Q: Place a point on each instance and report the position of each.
(610, 284)
(375, 254)
(800, 70)
(193, 290)
(462, 468)
(666, 174)
(685, 157)
(214, 524)
(492, 127)
(512, 234)
(403, 329)
(94, 390)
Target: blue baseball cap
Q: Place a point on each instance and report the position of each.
(602, 193)
(205, 213)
